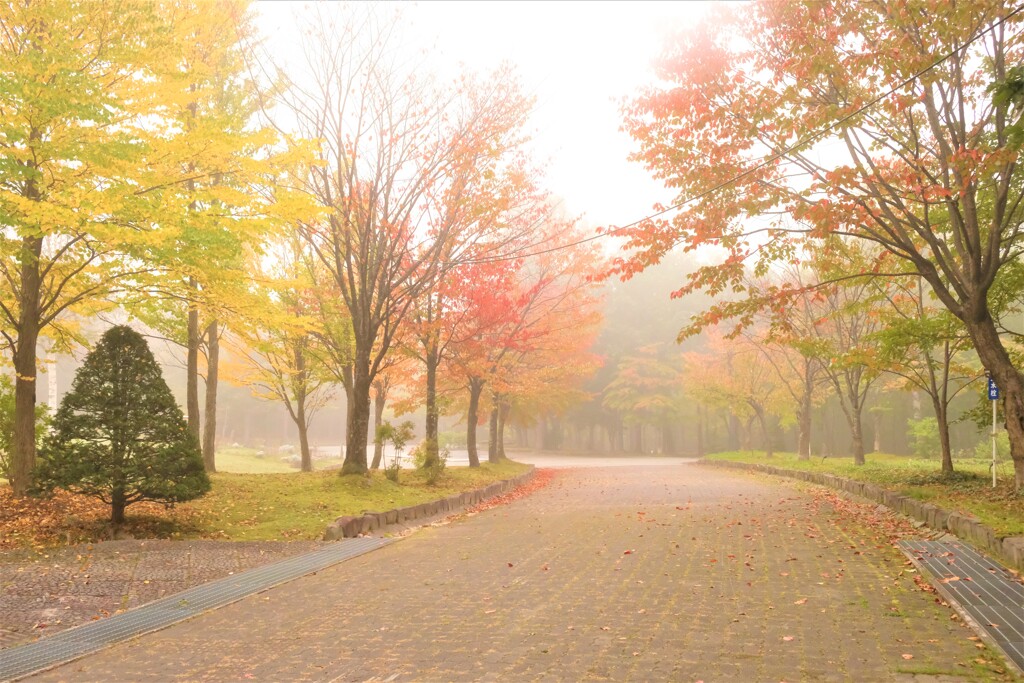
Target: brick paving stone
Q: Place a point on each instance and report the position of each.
(673, 572)
(44, 593)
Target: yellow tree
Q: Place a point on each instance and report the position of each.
(278, 342)
(76, 115)
(224, 207)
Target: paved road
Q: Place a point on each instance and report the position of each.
(666, 572)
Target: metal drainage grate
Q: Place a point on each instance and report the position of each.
(980, 588)
(17, 662)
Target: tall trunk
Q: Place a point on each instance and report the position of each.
(804, 414)
(23, 444)
(476, 387)
(942, 421)
(668, 444)
(492, 443)
(431, 359)
(857, 436)
(876, 422)
(346, 383)
(994, 357)
(117, 506)
(358, 417)
(733, 424)
(762, 420)
(503, 410)
(192, 368)
(700, 431)
(379, 399)
(305, 456)
(210, 415)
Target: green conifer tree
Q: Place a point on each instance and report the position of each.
(119, 435)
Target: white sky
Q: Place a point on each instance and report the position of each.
(578, 59)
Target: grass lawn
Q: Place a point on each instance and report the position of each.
(968, 490)
(249, 507)
(246, 460)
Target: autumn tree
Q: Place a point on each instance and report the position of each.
(924, 346)
(553, 319)
(75, 128)
(224, 207)
(278, 344)
(914, 104)
(488, 204)
(648, 388)
(390, 138)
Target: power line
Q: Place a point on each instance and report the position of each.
(764, 162)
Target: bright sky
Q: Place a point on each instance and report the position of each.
(578, 59)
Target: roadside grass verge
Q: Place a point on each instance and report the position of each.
(968, 490)
(240, 507)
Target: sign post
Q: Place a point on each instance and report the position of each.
(993, 395)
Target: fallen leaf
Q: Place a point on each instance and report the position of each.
(906, 656)
(801, 601)
(787, 638)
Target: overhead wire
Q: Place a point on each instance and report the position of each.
(812, 137)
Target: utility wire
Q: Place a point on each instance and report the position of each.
(764, 162)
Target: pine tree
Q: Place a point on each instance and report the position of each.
(119, 435)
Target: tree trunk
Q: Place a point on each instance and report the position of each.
(804, 414)
(492, 444)
(700, 431)
(765, 434)
(379, 399)
(210, 415)
(876, 421)
(431, 359)
(117, 506)
(668, 445)
(192, 369)
(857, 435)
(358, 418)
(476, 387)
(994, 357)
(503, 410)
(305, 456)
(23, 443)
(942, 420)
(733, 424)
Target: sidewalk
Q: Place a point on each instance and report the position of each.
(43, 594)
(673, 572)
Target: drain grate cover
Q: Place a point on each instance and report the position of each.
(982, 588)
(59, 648)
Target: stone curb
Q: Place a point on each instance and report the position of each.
(1010, 549)
(352, 526)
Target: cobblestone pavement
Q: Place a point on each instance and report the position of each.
(675, 572)
(43, 593)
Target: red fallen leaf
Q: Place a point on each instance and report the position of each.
(510, 564)
(545, 567)
(949, 579)
(628, 552)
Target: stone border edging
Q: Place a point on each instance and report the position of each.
(352, 526)
(1009, 548)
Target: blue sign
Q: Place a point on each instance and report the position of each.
(993, 390)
